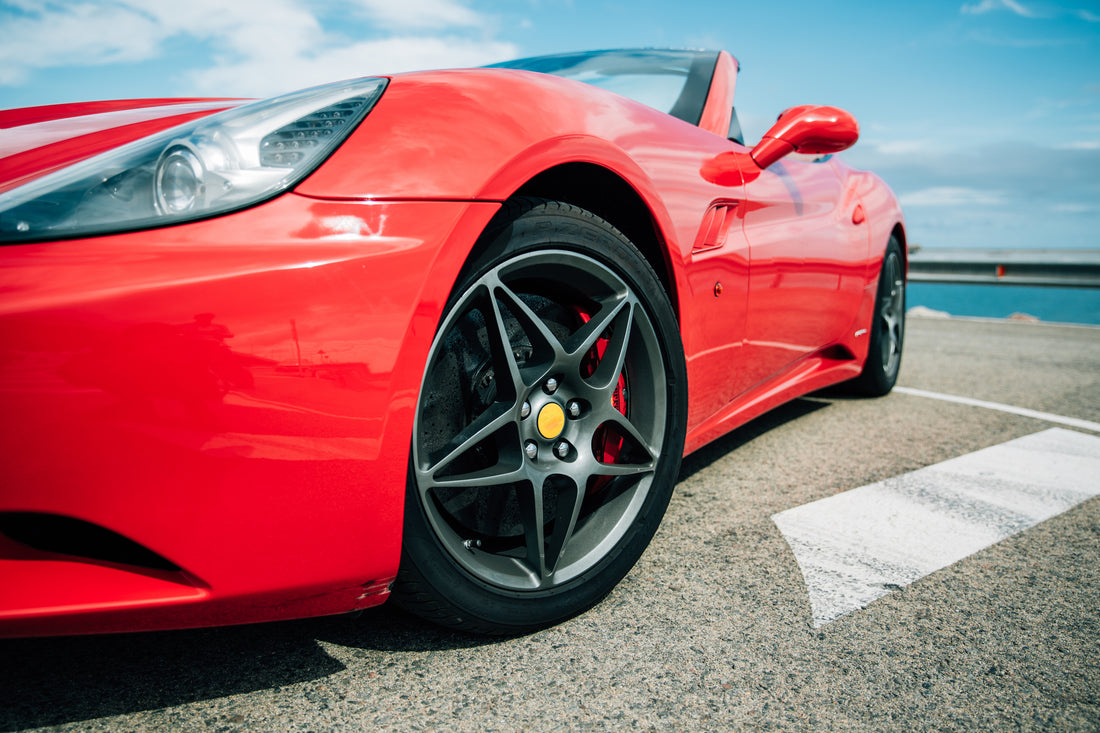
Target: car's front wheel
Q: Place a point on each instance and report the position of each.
(549, 427)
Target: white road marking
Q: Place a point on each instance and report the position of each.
(1072, 422)
(858, 546)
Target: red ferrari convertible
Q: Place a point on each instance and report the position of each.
(440, 336)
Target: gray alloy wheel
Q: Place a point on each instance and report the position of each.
(880, 371)
(891, 313)
(504, 479)
(545, 442)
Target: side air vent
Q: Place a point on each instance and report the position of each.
(716, 226)
(68, 536)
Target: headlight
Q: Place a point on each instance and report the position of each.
(178, 181)
(220, 163)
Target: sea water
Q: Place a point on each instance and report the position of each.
(1060, 305)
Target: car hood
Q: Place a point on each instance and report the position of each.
(35, 141)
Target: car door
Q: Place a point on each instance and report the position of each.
(806, 259)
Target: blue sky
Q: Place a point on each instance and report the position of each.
(983, 115)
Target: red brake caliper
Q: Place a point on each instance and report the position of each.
(606, 444)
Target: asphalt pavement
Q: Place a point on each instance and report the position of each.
(712, 630)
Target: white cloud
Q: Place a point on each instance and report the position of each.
(254, 76)
(259, 46)
(1079, 145)
(1074, 208)
(74, 35)
(1013, 6)
(404, 14)
(986, 6)
(907, 147)
(952, 196)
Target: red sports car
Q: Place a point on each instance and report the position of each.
(440, 336)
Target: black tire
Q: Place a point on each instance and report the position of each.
(497, 541)
(880, 371)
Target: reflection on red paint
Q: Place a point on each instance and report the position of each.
(188, 363)
(730, 169)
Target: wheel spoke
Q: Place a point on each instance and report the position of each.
(498, 475)
(887, 344)
(606, 376)
(570, 499)
(893, 328)
(544, 344)
(887, 309)
(624, 469)
(497, 417)
(500, 347)
(581, 342)
(534, 528)
(629, 431)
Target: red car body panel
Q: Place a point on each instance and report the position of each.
(215, 440)
(236, 395)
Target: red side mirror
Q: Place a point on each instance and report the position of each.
(812, 129)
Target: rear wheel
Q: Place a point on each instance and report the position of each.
(880, 371)
(549, 428)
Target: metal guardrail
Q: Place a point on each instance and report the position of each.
(1063, 268)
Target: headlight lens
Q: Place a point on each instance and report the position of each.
(220, 163)
(178, 181)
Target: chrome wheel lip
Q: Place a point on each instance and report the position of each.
(557, 380)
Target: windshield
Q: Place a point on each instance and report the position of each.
(676, 82)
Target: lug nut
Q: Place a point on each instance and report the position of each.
(561, 450)
(525, 411)
(531, 449)
(574, 409)
(551, 386)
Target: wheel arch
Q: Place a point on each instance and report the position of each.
(460, 591)
(613, 199)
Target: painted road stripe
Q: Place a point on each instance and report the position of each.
(1072, 422)
(859, 545)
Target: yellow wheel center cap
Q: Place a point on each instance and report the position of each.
(551, 420)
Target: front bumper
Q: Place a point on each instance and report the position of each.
(233, 396)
